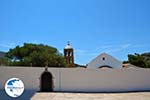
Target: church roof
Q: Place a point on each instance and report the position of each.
(128, 65)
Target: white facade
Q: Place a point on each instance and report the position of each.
(105, 60)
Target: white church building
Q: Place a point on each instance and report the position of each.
(105, 60)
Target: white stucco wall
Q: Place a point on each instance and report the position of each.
(29, 75)
(81, 80)
(105, 80)
(108, 61)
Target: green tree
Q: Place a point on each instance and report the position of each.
(4, 61)
(141, 60)
(35, 55)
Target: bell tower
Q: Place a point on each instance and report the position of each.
(69, 54)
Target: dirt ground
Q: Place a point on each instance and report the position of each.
(92, 96)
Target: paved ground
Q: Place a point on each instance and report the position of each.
(92, 96)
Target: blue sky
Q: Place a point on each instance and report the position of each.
(117, 27)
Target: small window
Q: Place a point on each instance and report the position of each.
(103, 58)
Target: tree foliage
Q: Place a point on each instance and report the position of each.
(35, 55)
(141, 60)
(4, 61)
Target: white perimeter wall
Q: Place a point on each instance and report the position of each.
(81, 80)
(29, 75)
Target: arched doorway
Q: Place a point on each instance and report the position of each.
(46, 82)
(105, 66)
